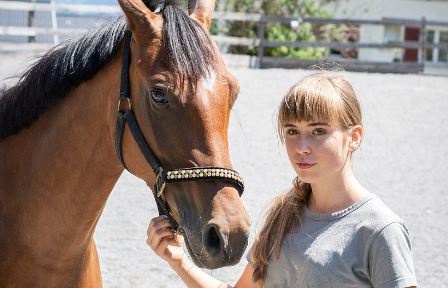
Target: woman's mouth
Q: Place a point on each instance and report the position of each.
(304, 166)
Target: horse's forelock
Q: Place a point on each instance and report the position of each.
(190, 56)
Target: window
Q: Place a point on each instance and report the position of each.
(436, 55)
(429, 51)
(443, 53)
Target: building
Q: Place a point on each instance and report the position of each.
(435, 12)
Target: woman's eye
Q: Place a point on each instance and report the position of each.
(319, 131)
(159, 97)
(292, 132)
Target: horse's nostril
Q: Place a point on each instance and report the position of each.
(211, 240)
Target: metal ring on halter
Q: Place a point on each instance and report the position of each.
(121, 101)
(179, 231)
(160, 182)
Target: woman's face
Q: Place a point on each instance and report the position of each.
(316, 149)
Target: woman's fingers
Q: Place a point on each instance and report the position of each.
(158, 223)
(158, 228)
(173, 250)
(158, 236)
(163, 240)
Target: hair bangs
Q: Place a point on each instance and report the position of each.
(319, 96)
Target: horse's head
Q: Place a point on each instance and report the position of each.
(181, 95)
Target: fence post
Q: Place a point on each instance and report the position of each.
(222, 6)
(31, 22)
(261, 29)
(422, 40)
(54, 22)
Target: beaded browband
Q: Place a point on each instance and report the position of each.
(206, 173)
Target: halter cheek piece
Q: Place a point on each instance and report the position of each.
(126, 115)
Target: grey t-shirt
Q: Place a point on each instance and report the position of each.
(364, 245)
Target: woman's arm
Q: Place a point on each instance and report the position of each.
(168, 246)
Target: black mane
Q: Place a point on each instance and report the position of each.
(54, 75)
(68, 65)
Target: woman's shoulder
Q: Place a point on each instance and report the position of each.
(375, 215)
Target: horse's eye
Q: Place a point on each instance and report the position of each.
(159, 97)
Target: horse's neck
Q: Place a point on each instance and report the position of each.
(56, 175)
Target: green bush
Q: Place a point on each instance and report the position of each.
(279, 32)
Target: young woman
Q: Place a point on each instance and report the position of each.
(328, 230)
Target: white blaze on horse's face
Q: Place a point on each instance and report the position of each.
(209, 81)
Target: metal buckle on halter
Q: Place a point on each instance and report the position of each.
(121, 101)
(160, 182)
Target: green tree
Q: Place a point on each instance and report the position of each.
(280, 32)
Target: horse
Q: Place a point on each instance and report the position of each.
(65, 141)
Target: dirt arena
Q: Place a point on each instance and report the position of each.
(403, 159)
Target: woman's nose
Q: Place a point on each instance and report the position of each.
(303, 146)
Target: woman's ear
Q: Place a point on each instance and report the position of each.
(356, 135)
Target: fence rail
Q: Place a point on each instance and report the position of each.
(60, 7)
(34, 31)
(31, 31)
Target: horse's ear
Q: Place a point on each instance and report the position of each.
(141, 20)
(202, 11)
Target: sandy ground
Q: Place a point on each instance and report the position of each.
(403, 159)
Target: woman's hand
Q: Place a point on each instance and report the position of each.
(165, 242)
(168, 245)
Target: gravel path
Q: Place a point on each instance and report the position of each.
(403, 159)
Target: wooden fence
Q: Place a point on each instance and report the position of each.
(350, 64)
(54, 33)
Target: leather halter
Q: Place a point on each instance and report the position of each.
(126, 115)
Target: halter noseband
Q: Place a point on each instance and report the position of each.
(126, 115)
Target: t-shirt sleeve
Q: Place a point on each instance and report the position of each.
(249, 256)
(390, 258)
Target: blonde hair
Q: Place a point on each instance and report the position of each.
(324, 95)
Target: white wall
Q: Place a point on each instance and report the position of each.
(377, 9)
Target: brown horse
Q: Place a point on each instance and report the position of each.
(58, 161)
